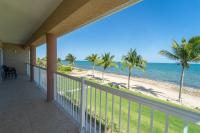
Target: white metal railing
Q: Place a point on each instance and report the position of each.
(28, 69)
(36, 75)
(67, 93)
(40, 78)
(99, 108)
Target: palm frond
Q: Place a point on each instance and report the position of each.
(93, 58)
(183, 41)
(196, 59)
(114, 65)
(107, 60)
(187, 51)
(195, 40)
(71, 59)
(175, 45)
(132, 59)
(169, 55)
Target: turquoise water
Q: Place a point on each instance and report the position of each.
(157, 71)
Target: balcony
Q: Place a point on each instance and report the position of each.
(73, 104)
(98, 108)
(23, 109)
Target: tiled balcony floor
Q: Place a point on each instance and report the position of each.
(23, 109)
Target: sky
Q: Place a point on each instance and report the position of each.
(148, 27)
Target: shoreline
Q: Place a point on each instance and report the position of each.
(186, 87)
(158, 89)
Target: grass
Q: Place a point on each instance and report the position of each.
(143, 95)
(64, 69)
(175, 124)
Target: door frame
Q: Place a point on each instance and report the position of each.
(1, 56)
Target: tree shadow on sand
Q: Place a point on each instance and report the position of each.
(148, 90)
(97, 78)
(139, 88)
(119, 84)
(91, 76)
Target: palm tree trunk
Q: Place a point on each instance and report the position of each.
(181, 83)
(103, 75)
(71, 67)
(93, 71)
(129, 77)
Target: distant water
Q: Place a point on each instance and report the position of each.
(156, 71)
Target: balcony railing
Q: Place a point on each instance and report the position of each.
(28, 70)
(99, 108)
(40, 77)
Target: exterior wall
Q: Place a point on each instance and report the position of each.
(1, 45)
(15, 56)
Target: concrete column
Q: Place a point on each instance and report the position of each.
(32, 61)
(51, 41)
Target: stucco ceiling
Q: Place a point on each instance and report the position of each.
(20, 18)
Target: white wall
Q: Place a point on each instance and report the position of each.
(15, 56)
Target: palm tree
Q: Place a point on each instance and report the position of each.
(94, 59)
(106, 61)
(59, 61)
(38, 61)
(132, 60)
(71, 59)
(41, 62)
(44, 61)
(185, 53)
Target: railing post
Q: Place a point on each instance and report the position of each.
(32, 62)
(39, 78)
(83, 106)
(185, 128)
(26, 69)
(55, 86)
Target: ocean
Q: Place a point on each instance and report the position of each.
(167, 72)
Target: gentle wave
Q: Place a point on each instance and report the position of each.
(156, 71)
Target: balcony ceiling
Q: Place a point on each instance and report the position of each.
(21, 18)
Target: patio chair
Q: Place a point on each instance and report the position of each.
(8, 72)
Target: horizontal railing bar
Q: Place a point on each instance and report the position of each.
(172, 110)
(186, 115)
(40, 67)
(69, 76)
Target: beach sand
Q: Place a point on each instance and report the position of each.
(157, 89)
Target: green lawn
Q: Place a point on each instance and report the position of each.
(175, 124)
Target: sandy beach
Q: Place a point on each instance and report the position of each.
(157, 89)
